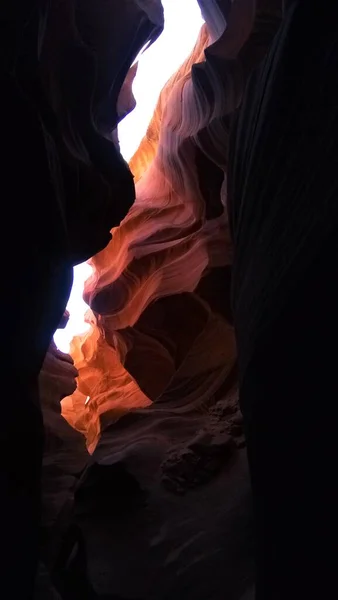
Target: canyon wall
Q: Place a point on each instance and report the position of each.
(159, 294)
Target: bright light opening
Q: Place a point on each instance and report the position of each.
(183, 21)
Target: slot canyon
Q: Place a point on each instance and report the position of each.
(180, 447)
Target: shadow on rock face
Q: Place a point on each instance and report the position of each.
(71, 575)
(105, 488)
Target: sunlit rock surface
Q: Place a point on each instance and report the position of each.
(159, 294)
(163, 509)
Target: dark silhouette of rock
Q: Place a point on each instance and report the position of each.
(283, 188)
(62, 66)
(107, 488)
(72, 579)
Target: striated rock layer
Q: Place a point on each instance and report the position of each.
(159, 293)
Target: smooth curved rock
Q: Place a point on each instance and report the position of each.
(159, 331)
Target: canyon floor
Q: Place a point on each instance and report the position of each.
(161, 510)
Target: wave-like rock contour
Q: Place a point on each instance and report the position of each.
(159, 293)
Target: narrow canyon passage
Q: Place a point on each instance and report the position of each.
(172, 432)
(156, 403)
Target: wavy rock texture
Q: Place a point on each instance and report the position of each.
(159, 294)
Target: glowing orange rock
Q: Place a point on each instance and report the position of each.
(160, 329)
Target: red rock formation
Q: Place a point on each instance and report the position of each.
(160, 329)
